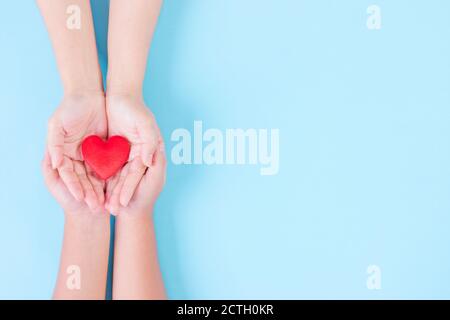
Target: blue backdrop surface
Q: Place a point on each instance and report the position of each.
(364, 170)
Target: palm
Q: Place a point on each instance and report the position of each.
(148, 188)
(60, 191)
(129, 117)
(63, 196)
(145, 195)
(76, 118)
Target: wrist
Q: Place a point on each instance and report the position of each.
(86, 221)
(86, 79)
(88, 231)
(133, 226)
(84, 94)
(82, 90)
(121, 99)
(120, 88)
(135, 218)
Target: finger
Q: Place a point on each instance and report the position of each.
(158, 169)
(149, 137)
(89, 193)
(97, 184)
(50, 175)
(110, 185)
(55, 143)
(159, 160)
(134, 176)
(114, 200)
(70, 179)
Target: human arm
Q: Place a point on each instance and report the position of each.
(82, 109)
(136, 270)
(131, 27)
(84, 255)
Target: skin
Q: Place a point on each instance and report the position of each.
(132, 193)
(131, 27)
(136, 269)
(136, 272)
(82, 110)
(86, 239)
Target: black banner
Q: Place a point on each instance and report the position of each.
(227, 309)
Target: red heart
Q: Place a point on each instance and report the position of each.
(105, 157)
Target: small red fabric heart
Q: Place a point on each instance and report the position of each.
(105, 157)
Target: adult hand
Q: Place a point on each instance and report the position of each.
(147, 191)
(77, 117)
(128, 116)
(62, 195)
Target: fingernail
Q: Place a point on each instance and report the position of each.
(124, 203)
(79, 196)
(53, 163)
(148, 160)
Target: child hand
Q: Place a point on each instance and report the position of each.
(59, 190)
(147, 191)
(128, 116)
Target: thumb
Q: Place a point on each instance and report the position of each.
(50, 175)
(158, 168)
(149, 145)
(159, 160)
(55, 143)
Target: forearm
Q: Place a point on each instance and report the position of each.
(84, 257)
(75, 49)
(136, 268)
(131, 27)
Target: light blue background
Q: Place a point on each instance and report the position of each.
(364, 119)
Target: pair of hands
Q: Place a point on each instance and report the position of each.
(74, 185)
